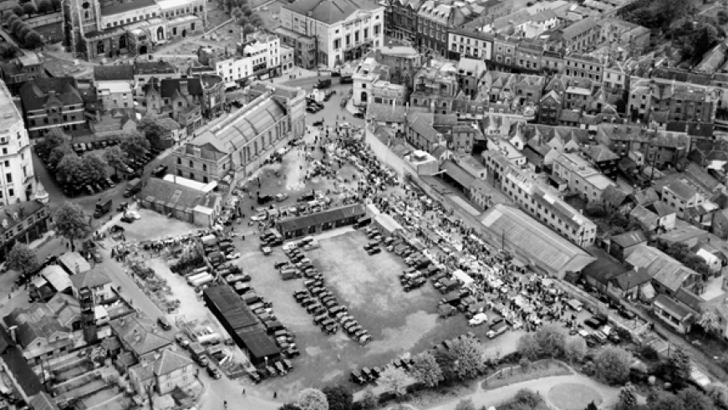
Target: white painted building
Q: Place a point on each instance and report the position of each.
(261, 54)
(344, 30)
(16, 165)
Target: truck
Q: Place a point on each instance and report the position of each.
(323, 83)
(133, 187)
(198, 353)
(497, 329)
(102, 208)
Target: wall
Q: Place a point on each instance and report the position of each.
(43, 20)
(386, 156)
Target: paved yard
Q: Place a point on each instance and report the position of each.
(399, 322)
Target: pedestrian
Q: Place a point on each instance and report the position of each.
(243, 392)
(275, 394)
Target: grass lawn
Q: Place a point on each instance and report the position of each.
(538, 370)
(573, 396)
(399, 322)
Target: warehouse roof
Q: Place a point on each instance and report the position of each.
(330, 215)
(531, 238)
(258, 343)
(231, 307)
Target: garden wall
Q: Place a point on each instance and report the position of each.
(44, 20)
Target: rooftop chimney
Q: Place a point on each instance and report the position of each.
(13, 335)
(183, 88)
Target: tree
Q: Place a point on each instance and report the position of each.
(22, 259)
(591, 406)
(15, 25)
(550, 340)
(58, 153)
(694, 399)
(575, 349)
(677, 368)
(446, 360)
(527, 346)
(7, 14)
(7, 51)
(612, 364)
(663, 400)
(242, 19)
(116, 158)
(596, 210)
(426, 370)
(627, 397)
(56, 4)
(256, 20)
(29, 8)
(45, 6)
(247, 11)
(339, 397)
(152, 130)
(19, 11)
(289, 406)
(54, 139)
(312, 399)
(94, 167)
(70, 168)
(23, 31)
(528, 398)
(33, 40)
(708, 321)
(135, 147)
(468, 357)
(718, 392)
(71, 223)
(247, 29)
(395, 380)
(10, 18)
(465, 404)
(369, 401)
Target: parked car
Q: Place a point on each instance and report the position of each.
(359, 115)
(164, 323)
(281, 197)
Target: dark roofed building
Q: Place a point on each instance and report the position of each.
(674, 313)
(139, 336)
(52, 103)
(20, 371)
(185, 202)
(321, 221)
(622, 243)
(122, 72)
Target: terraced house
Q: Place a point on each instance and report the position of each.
(434, 21)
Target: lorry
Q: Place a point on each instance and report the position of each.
(497, 329)
(323, 83)
(198, 353)
(133, 187)
(102, 208)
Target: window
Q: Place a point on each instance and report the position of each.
(204, 167)
(192, 165)
(9, 177)
(11, 192)
(376, 29)
(179, 161)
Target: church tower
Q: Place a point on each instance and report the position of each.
(79, 18)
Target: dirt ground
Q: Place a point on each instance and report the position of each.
(155, 226)
(271, 16)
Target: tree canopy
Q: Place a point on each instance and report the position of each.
(395, 380)
(71, 222)
(426, 370)
(339, 397)
(312, 399)
(612, 364)
(22, 259)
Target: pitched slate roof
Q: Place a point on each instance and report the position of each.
(117, 8)
(318, 218)
(136, 334)
(614, 196)
(34, 322)
(169, 362)
(664, 269)
(93, 278)
(173, 195)
(42, 401)
(34, 94)
(232, 133)
(329, 11)
(674, 307)
(601, 153)
(628, 239)
(113, 72)
(632, 278)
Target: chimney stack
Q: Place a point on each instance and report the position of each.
(13, 334)
(183, 88)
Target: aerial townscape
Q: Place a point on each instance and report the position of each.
(363, 204)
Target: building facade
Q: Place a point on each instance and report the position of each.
(106, 28)
(471, 44)
(17, 177)
(401, 19)
(52, 103)
(343, 30)
(433, 23)
(237, 145)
